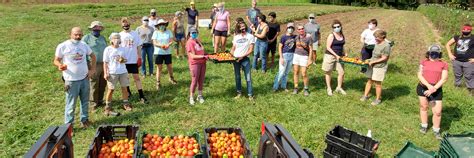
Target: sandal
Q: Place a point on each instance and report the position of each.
(127, 106)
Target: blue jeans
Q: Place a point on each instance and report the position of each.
(77, 89)
(260, 50)
(244, 64)
(283, 71)
(147, 54)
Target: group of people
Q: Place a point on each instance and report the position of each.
(89, 63)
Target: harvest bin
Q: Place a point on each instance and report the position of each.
(208, 131)
(412, 151)
(277, 142)
(457, 146)
(342, 143)
(113, 132)
(55, 142)
(195, 135)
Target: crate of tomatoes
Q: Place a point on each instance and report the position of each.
(223, 57)
(226, 143)
(354, 61)
(178, 146)
(114, 141)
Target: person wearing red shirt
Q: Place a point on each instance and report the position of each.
(433, 73)
(197, 65)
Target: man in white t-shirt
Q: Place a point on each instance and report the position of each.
(153, 19)
(132, 45)
(70, 58)
(242, 46)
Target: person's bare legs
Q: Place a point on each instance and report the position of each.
(437, 109)
(216, 43)
(169, 67)
(183, 48)
(295, 75)
(340, 79)
(223, 42)
(138, 82)
(327, 76)
(158, 75)
(424, 110)
(305, 77)
(368, 86)
(378, 90)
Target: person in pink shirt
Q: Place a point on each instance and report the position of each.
(432, 74)
(221, 28)
(197, 65)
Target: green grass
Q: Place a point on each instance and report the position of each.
(32, 98)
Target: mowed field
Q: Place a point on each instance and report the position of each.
(32, 97)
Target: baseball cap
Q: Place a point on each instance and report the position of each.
(192, 2)
(153, 11)
(96, 23)
(114, 35)
(467, 28)
(192, 29)
(434, 48)
(311, 15)
(290, 25)
(145, 18)
(178, 13)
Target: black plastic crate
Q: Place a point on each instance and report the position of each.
(341, 151)
(202, 149)
(55, 142)
(277, 142)
(107, 133)
(208, 131)
(354, 141)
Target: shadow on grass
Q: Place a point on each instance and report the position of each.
(394, 92)
(450, 114)
(356, 84)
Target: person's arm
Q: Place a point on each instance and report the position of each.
(232, 49)
(276, 36)
(280, 53)
(57, 63)
(444, 78)
(262, 34)
(214, 23)
(250, 50)
(174, 25)
(328, 46)
(382, 59)
(448, 48)
(362, 37)
(310, 54)
(248, 18)
(196, 24)
(192, 53)
(228, 24)
(93, 64)
(106, 70)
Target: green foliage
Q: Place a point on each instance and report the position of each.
(446, 19)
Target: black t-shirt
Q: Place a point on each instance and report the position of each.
(192, 15)
(273, 28)
(464, 48)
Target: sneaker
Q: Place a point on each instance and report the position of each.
(329, 90)
(200, 99)
(158, 85)
(191, 101)
(423, 130)
(274, 90)
(306, 92)
(295, 91)
(340, 90)
(376, 102)
(287, 90)
(127, 106)
(364, 98)
(314, 63)
(251, 98)
(85, 124)
(238, 96)
(438, 135)
(143, 100)
(111, 113)
(93, 106)
(172, 81)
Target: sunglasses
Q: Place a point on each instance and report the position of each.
(311, 17)
(193, 32)
(300, 28)
(146, 20)
(336, 26)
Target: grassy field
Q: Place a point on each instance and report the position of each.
(32, 98)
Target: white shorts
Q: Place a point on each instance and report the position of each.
(315, 46)
(300, 60)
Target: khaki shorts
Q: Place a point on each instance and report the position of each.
(315, 46)
(114, 78)
(330, 63)
(376, 74)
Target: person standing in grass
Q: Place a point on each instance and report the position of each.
(132, 44)
(273, 33)
(70, 58)
(368, 39)
(162, 40)
(221, 28)
(97, 83)
(463, 57)
(378, 66)
(302, 59)
(286, 50)
(313, 28)
(242, 46)
(115, 70)
(193, 17)
(197, 65)
(145, 32)
(433, 73)
(153, 19)
(252, 14)
(261, 43)
(178, 32)
(334, 52)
